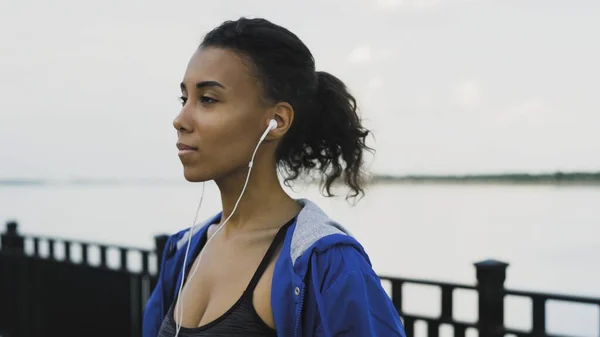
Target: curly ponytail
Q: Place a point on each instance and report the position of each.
(334, 134)
(326, 134)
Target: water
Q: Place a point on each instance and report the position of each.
(548, 234)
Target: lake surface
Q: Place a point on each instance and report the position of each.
(549, 234)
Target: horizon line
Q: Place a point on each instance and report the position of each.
(375, 177)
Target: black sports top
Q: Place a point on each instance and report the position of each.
(241, 319)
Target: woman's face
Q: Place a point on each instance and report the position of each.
(222, 117)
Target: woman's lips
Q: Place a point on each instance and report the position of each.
(185, 149)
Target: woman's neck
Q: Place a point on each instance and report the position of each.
(264, 203)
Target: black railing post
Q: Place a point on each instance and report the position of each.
(160, 241)
(490, 286)
(11, 240)
(13, 299)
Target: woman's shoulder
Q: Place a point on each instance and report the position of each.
(346, 291)
(313, 229)
(179, 239)
(317, 236)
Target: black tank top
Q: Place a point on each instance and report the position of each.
(241, 319)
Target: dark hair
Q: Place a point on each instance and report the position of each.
(326, 129)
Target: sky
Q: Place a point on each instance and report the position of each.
(89, 89)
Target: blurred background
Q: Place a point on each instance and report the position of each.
(450, 88)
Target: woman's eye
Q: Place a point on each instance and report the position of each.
(182, 100)
(207, 100)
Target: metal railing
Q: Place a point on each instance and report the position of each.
(63, 290)
(43, 294)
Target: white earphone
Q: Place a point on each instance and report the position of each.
(272, 125)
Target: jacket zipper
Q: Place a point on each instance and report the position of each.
(299, 313)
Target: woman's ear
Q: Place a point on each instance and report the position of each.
(283, 114)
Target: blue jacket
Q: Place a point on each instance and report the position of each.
(323, 282)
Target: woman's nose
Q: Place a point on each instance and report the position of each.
(181, 122)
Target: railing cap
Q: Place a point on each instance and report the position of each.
(11, 227)
(491, 264)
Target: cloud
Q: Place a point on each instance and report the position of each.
(371, 91)
(368, 54)
(426, 4)
(416, 4)
(424, 101)
(375, 83)
(360, 54)
(529, 111)
(467, 94)
(390, 4)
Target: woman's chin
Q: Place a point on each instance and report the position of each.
(194, 176)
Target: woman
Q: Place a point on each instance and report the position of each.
(267, 265)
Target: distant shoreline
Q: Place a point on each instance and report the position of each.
(558, 178)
